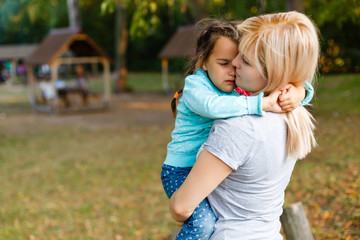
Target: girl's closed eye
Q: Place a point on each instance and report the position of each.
(224, 63)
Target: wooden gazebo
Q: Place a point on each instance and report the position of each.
(180, 45)
(66, 46)
(15, 53)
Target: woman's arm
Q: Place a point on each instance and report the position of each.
(207, 173)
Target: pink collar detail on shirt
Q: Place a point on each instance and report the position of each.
(243, 92)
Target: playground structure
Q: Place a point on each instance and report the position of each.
(180, 45)
(62, 49)
(14, 55)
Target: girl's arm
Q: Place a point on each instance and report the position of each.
(207, 173)
(207, 103)
(309, 93)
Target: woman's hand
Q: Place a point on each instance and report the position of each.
(271, 103)
(285, 100)
(207, 173)
(291, 97)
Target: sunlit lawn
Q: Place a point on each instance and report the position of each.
(70, 181)
(328, 181)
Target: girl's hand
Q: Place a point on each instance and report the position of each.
(291, 97)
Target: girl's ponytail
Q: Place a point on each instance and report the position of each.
(173, 102)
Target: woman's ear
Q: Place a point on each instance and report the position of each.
(204, 67)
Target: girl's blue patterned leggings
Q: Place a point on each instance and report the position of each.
(200, 225)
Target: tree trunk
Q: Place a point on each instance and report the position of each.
(295, 223)
(201, 9)
(297, 5)
(262, 6)
(73, 12)
(121, 47)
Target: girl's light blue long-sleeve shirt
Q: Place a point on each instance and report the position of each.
(201, 103)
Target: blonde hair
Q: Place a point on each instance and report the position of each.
(286, 50)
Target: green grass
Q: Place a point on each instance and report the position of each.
(327, 182)
(77, 177)
(337, 95)
(68, 182)
(152, 82)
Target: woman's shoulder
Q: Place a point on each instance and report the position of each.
(249, 124)
(244, 120)
(242, 125)
(269, 116)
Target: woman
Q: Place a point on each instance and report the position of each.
(247, 161)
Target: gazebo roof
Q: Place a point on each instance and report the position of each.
(58, 41)
(181, 44)
(8, 52)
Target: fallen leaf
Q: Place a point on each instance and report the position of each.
(325, 215)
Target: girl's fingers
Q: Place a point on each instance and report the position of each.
(284, 97)
(285, 103)
(287, 87)
(287, 106)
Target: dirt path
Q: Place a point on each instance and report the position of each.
(126, 110)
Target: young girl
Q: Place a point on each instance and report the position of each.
(208, 95)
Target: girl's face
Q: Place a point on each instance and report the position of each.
(219, 64)
(248, 77)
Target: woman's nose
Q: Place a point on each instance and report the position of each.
(235, 61)
(232, 71)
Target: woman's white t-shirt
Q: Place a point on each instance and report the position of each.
(248, 203)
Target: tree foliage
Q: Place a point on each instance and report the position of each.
(339, 24)
(26, 21)
(151, 23)
(144, 15)
(337, 12)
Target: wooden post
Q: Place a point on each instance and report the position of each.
(295, 223)
(54, 77)
(12, 72)
(107, 86)
(165, 75)
(293, 220)
(174, 234)
(31, 82)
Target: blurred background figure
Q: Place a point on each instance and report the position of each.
(82, 83)
(47, 91)
(2, 75)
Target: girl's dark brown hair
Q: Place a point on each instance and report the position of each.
(209, 31)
